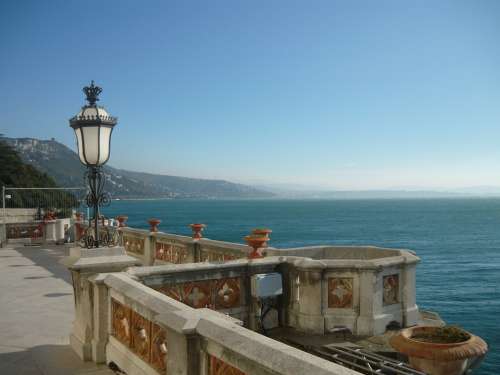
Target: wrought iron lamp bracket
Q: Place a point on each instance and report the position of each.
(97, 197)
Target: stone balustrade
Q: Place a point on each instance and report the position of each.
(121, 318)
(225, 287)
(220, 251)
(137, 243)
(153, 248)
(173, 249)
(363, 288)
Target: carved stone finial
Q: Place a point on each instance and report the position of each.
(92, 92)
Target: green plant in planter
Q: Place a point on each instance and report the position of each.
(443, 335)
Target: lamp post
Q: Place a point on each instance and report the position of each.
(93, 127)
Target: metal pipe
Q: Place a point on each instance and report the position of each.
(4, 220)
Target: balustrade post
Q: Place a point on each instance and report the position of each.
(197, 235)
(122, 219)
(150, 248)
(410, 308)
(100, 316)
(368, 306)
(84, 264)
(183, 343)
(307, 313)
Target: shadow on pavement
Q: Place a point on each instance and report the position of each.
(47, 257)
(47, 359)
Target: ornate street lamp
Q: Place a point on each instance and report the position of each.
(93, 127)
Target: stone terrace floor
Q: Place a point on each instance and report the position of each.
(36, 312)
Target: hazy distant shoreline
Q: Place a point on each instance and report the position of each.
(361, 197)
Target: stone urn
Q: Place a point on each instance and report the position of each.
(153, 223)
(256, 242)
(197, 229)
(78, 216)
(440, 350)
(122, 219)
(262, 232)
(49, 216)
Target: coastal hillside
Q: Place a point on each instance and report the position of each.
(62, 164)
(14, 172)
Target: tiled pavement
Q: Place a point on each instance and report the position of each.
(36, 311)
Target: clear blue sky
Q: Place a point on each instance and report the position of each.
(346, 94)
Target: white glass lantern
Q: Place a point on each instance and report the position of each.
(93, 127)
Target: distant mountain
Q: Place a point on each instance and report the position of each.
(63, 165)
(293, 192)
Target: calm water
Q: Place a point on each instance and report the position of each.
(458, 241)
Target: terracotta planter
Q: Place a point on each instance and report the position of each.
(78, 216)
(122, 219)
(437, 358)
(257, 242)
(50, 215)
(153, 223)
(197, 229)
(262, 232)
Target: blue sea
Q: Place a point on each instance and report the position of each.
(458, 241)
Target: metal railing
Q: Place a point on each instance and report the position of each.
(21, 207)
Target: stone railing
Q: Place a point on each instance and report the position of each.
(220, 251)
(361, 288)
(137, 243)
(153, 248)
(23, 230)
(225, 287)
(121, 319)
(171, 248)
(352, 288)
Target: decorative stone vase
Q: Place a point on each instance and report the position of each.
(49, 216)
(122, 220)
(262, 232)
(436, 358)
(78, 216)
(197, 229)
(257, 242)
(153, 223)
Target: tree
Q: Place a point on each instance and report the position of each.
(15, 173)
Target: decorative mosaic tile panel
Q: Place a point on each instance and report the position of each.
(158, 348)
(133, 244)
(340, 292)
(211, 255)
(144, 338)
(227, 293)
(141, 336)
(172, 253)
(15, 231)
(219, 367)
(214, 294)
(198, 294)
(173, 291)
(391, 289)
(121, 321)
